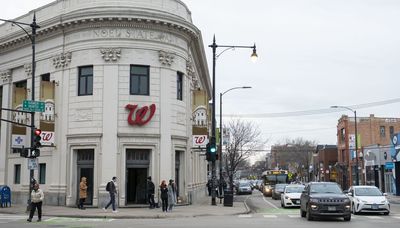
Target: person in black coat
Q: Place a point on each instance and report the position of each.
(164, 195)
(150, 193)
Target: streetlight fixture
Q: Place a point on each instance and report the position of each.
(214, 47)
(32, 37)
(220, 133)
(356, 138)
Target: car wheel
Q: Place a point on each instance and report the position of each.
(282, 204)
(386, 213)
(308, 214)
(302, 213)
(347, 218)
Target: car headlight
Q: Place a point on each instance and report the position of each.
(314, 200)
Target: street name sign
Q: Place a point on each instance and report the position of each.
(33, 106)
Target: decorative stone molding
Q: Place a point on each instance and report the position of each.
(110, 54)
(28, 69)
(83, 114)
(166, 58)
(190, 71)
(5, 76)
(62, 60)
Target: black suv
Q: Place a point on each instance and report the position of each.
(324, 199)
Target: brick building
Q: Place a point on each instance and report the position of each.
(323, 163)
(371, 131)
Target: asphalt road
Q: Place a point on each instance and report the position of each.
(265, 212)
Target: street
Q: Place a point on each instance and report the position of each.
(263, 210)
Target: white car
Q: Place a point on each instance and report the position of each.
(291, 195)
(368, 199)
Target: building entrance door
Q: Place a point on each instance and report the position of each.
(136, 185)
(85, 164)
(137, 170)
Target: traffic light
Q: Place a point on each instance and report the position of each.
(211, 150)
(24, 152)
(35, 153)
(36, 139)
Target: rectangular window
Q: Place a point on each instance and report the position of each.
(139, 80)
(382, 131)
(45, 77)
(179, 86)
(342, 135)
(42, 173)
(85, 81)
(391, 130)
(17, 174)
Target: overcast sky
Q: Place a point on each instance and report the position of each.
(312, 54)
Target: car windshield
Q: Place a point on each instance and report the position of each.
(325, 188)
(279, 187)
(367, 192)
(244, 184)
(296, 189)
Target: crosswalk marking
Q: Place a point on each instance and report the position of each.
(245, 216)
(270, 216)
(294, 216)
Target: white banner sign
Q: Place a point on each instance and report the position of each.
(18, 141)
(200, 140)
(47, 138)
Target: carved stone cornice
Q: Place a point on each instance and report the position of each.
(5, 76)
(28, 69)
(166, 58)
(62, 60)
(110, 54)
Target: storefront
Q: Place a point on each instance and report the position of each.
(118, 84)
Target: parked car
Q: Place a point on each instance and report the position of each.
(244, 188)
(291, 195)
(368, 199)
(324, 199)
(277, 191)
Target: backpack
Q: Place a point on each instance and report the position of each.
(108, 186)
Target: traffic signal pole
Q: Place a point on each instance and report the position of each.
(32, 37)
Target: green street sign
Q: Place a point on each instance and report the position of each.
(33, 106)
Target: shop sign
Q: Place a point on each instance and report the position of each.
(140, 116)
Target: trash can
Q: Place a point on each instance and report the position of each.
(228, 198)
(5, 196)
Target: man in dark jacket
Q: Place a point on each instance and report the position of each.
(150, 192)
(113, 191)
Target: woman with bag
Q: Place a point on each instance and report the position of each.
(82, 193)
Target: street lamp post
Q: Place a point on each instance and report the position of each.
(356, 138)
(220, 134)
(214, 47)
(32, 37)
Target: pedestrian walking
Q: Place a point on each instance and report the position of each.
(112, 190)
(37, 197)
(171, 194)
(150, 193)
(164, 195)
(82, 193)
(209, 186)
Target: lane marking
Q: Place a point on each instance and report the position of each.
(270, 216)
(294, 216)
(245, 216)
(272, 205)
(397, 217)
(373, 217)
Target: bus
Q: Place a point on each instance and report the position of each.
(271, 178)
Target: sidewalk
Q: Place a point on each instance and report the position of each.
(203, 209)
(393, 199)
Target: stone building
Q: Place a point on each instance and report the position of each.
(117, 78)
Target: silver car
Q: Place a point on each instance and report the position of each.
(368, 199)
(244, 188)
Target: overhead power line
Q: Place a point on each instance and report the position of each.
(313, 112)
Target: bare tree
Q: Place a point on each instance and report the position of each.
(245, 139)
